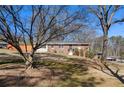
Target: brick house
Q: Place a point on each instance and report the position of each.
(67, 48)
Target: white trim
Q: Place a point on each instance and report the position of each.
(42, 50)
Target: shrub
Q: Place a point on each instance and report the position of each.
(89, 54)
(76, 52)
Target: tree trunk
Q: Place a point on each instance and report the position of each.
(105, 46)
(29, 61)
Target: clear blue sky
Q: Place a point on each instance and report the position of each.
(115, 30)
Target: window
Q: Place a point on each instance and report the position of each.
(60, 46)
(71, 49)
(70, 46)
(68, 50)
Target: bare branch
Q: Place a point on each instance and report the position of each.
(118, 21)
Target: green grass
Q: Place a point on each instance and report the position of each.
(70, 75)
(12, 62)
(64, 66)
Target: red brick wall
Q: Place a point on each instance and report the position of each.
(64, 49)
(57, 49)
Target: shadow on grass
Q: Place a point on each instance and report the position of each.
(12, 67)
(65, 73)
(6, 58)
(12, 61)
(105, 68)
(23, 81)
(3, 54)
(115, 74)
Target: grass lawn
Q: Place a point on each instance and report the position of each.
(53, 70)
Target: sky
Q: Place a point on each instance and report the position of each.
(115, 30)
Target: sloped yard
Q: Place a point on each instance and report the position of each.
(53, 70)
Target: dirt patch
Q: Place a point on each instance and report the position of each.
(14, 75)
(55, 71)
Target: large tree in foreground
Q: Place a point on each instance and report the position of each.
(36, 25)
(105, 15)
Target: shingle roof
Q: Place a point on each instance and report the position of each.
(67, 43)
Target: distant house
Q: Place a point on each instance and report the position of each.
(67, 48)
(3, 44)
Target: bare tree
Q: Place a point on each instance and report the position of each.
(105, 15)
(36, 25)
(98, 44)
(84, 35)
(116, 43)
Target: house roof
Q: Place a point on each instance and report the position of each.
(62, 43)
(67, 43)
